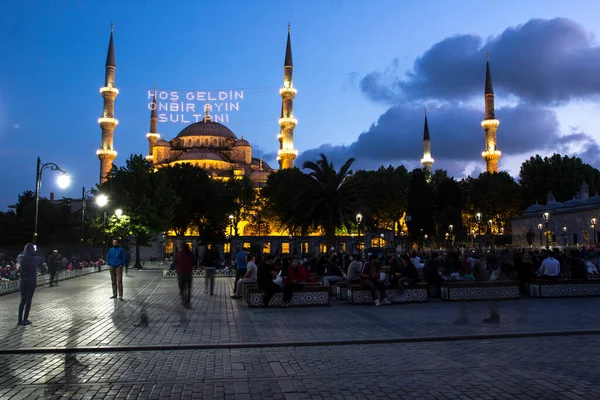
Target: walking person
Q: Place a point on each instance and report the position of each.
(55, 263)
(116, 259)
(29, 263)
(211, 261)
(185, 265)
(240, 265)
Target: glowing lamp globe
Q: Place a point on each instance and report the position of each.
(63, 181)
(119, 213)
(102, 200)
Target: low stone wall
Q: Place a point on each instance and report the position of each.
(199, 273)
(564, 288)
(468, 291)
(411, 294)
(310, 295)
(13, 286)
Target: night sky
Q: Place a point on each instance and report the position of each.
(364, 73)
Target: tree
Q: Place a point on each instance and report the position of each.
(145, 196)
(420, 206)
(562, 175)
(447, 204)
(243, 199)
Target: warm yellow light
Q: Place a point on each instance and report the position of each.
(287, 151)
(288, 120)
(285, 90)
(152, 135)
(491, 154)
(110, 90)
(490, 123)
(427, 159)
(103, 151)
(279, 136)
(103, 120)
(149, 157)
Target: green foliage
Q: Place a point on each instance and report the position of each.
(562, 175)
(420, 206)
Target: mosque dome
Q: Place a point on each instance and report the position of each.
(534, 208)
(573, 203)
(259, 176)
(241, 142)
(594, 199)
(553, 205)
(207, 127)
(162, 143)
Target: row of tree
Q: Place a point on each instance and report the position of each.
(319, 198)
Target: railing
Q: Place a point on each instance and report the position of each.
(13, 286)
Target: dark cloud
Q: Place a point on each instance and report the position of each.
(581, 145)
(456, 135)
(544, 61)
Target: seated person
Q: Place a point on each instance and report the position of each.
(354, 270)
(469, 277)
(294, 281)
(370, 279)
(416, 260)
(264, 277)
(249, 277)
(408, 275)
(333, 273)
(550, 268)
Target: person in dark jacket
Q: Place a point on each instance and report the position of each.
(294, 281)
(265, 276)
(211, 262)
(54, 265)
(28, 262)
(116, 259)
(185, 265)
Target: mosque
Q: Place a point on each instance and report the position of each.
(213, 147)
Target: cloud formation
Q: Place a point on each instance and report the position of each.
(541, 64)
(542, 61)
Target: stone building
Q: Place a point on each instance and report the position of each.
(573, 222)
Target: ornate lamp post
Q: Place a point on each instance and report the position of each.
(478, 218)
(547, 218)
(540, 229)
(359, 219)
(63, 181)
(564, 229)
(593, 221)
(101, 201)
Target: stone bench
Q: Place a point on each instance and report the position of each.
(564, 288)
(246, 288)
(311, 295)
(341, 290)
(412, 294)
(200, 273)
(488, 290)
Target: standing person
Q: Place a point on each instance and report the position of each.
(55, 263)
(265, 276)
(185, 265)
(116, 259)
(211, 261)
(28, 262)
(240, 265)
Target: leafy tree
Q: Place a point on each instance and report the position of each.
(447, 204)
(562, 175)
(145, 196)
(243, 199)
(420, 206)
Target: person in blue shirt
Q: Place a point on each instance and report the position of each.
(116, 259)
(28, 263)
(240, 264)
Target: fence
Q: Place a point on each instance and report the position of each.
(13, 286)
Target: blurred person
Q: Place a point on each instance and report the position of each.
(28, 262)
(185, 265)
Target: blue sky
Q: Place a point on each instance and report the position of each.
(345, 53)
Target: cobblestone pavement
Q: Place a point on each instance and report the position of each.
(533, 368)
(79, 314)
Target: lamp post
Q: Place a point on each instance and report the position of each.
(451, 228)
(84, 193)
(62, 181)
(101, 201)
(478, 218)
(565, 234)
(593, 221)
(402, 240)
(547, 218)
(359, 219)
(230, 236)
(381, 240)
(473, 235)
(540, 229)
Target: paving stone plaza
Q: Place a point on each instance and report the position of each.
(84, 345)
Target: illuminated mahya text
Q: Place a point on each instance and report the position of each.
(187, 106)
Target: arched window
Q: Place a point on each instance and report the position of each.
(206, 142)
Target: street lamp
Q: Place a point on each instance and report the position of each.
(119, 213)
(473, 234)
(540, 229)
(565, 234)
(381, 239)
(402, 240)
(547, 218)
(84, 193)
(359, 219)
(231, 218)
(62, 181)
(478, 218)
(101, 201)
(593, 221)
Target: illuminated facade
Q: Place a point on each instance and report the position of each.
(106, 153)
(427, 161)
(491, 155)
(287, 154)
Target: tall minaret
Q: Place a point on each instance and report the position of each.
(287, 154)
(108, 122)
(491, 155)
(427, 161)
(153, 134)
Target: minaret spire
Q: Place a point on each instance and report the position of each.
(427, 161)
(106, 154)
(491, 155)
(287, 154)
(153, 135)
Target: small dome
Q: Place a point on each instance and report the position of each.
(162, 143)
(594, 199)
(534, 208)
(573, 203)
(207, 127)
(259, 176)
(241, 142)
(553, 205)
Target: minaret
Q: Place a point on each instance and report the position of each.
(108, 122)
(427, 161)
(152, 135)
(491, 155)
(287, 154)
